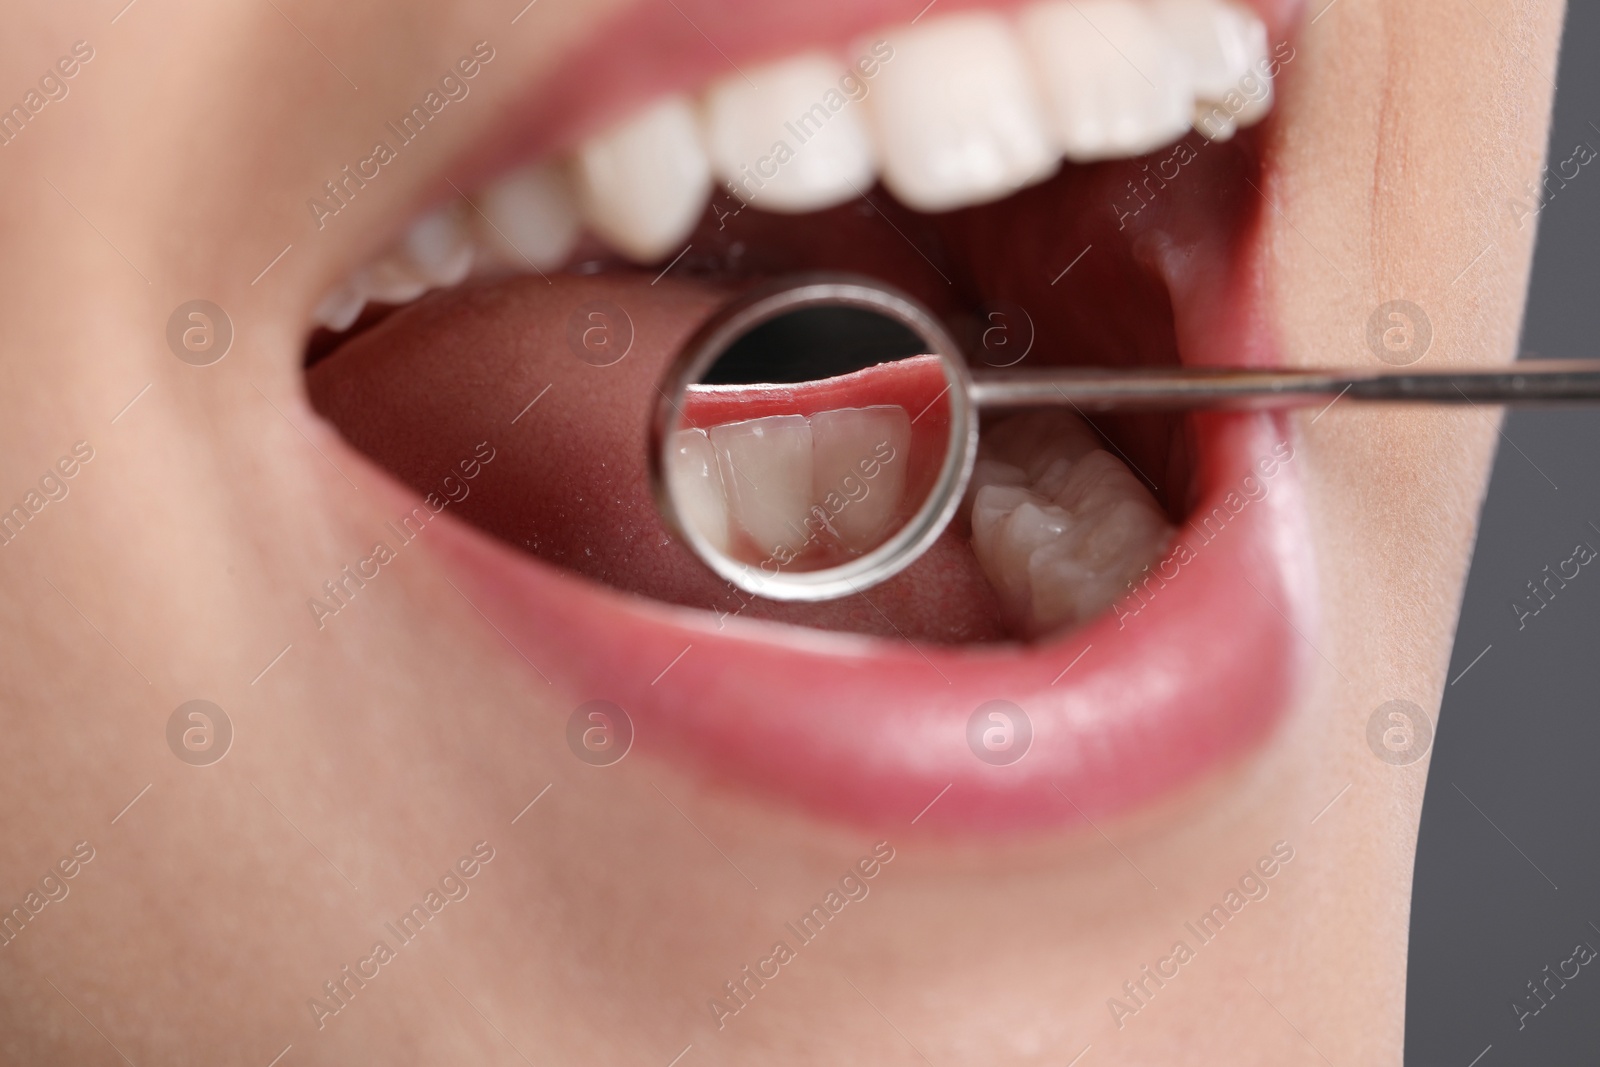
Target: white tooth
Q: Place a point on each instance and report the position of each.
(341, 308)
(394, 279)
(439, 248)
(1115, 83)
(643, 184)
(1211, 34)
(994, 472)
(1118, 529)
(1061, 547)
(531, 217)
(1250, 36)
(1034, 441)
(1213, 122)
(859, 459)
(766, 470)
(789, 139)
(956, 117)
(1008, 524)
(1227, 49)
(696, 486)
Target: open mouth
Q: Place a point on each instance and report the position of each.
(1068, 182)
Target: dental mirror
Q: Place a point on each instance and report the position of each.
(812, 437)
(816, 435)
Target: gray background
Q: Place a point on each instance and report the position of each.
(1503, 891)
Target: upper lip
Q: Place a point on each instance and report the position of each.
(876, 730)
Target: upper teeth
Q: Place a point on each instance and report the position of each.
(1116, 84)
(957, 116)
(838, 158)
(643, 184)
(531, 216)
(954, 111)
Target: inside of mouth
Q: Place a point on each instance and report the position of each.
(1099, 265)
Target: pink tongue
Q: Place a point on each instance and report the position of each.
(435, 387)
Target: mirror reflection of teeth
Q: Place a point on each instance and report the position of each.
(780, 486)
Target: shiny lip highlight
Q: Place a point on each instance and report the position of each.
(876, 731)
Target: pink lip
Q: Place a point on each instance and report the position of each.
(872, 731)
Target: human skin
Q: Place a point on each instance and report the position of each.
(370, 758)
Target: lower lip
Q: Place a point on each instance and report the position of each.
(1179, 680)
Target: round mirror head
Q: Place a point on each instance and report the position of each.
(814, 437)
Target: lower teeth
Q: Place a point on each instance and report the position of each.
(1059, 526)
(795, 488)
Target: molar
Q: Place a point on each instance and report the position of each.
(436, 251)
(1058, 525)
(340, 309)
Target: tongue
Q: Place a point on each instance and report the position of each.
(432, 390)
